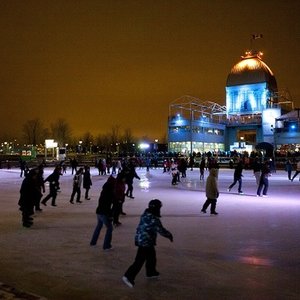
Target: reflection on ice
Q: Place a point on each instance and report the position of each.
(144, 183)
(254, 260)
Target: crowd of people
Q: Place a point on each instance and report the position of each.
(119, 185)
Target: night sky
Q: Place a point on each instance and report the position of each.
(102, 63)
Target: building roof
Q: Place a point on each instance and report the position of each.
(292, 115)
(251, 69)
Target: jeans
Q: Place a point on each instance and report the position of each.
(234, 182)
(147, 254)
(102, 219)
(264, 183)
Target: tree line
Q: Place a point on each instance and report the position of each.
(34, 132)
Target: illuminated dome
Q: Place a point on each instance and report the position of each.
(250, 70)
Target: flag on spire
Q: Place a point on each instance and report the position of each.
(257, 36)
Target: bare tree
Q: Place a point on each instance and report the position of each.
(88, 141)
(128, 140)
(61, 132)
(33, 131)
(114, 137)
(103, 142)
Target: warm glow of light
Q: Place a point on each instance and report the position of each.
(252, 63)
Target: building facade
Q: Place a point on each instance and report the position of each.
(249, 119)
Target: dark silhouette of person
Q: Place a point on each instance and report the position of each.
(105, 214)
(87, 182)
(28, 194)
(264, 180)
(237, 177)
(77, 181)
(130, 174)
(119, 198)
(53, 180)
(41, 186)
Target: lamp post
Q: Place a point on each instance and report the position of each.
(155, 144)
(80, 146)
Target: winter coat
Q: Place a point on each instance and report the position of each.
(119, 196)
(77, 180)
(146, 232)
(130, 174)
(29, 193)
(212, 191)
(238, 171)
(106, 198)
(87, 181)
(53, 180)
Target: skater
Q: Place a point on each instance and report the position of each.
(256, 170)
(212, 192)
(264, 180)
(145, 240)
(24, 168)
(41, 187)
(130, 175)
(289, 168)
(237, 177)
(74, 164)
(77, 180)
(87, 182)
(29, 192)
(297, 171)
(53, 180)
(119, 198)
(105, 214)
(202, 167)
(174, 173)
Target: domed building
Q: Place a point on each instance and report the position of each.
(248, 121)
(251, 86)
(251, 102)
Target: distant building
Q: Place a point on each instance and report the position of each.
(287, 132)
(248, 121)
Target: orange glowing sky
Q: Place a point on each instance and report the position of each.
(101, 63)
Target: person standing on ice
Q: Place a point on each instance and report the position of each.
(212, 192)
(130, 174)
(29, 192)
(87, 182)
(237, 177)
(202, 167)
(145, 240)
(77, 181)
(289, 168)
(257, 170)
(264, 180)
(53, 180)
(105, 213)
(297, 170)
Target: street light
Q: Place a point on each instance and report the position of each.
(80, 146)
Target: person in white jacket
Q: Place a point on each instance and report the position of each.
(212, 192)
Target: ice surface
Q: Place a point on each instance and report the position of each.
(249, 251)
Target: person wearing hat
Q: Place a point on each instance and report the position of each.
(212, 192)
(145, 240)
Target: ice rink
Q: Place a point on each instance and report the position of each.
(249, 251)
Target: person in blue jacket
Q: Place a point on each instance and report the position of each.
(145, 240)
